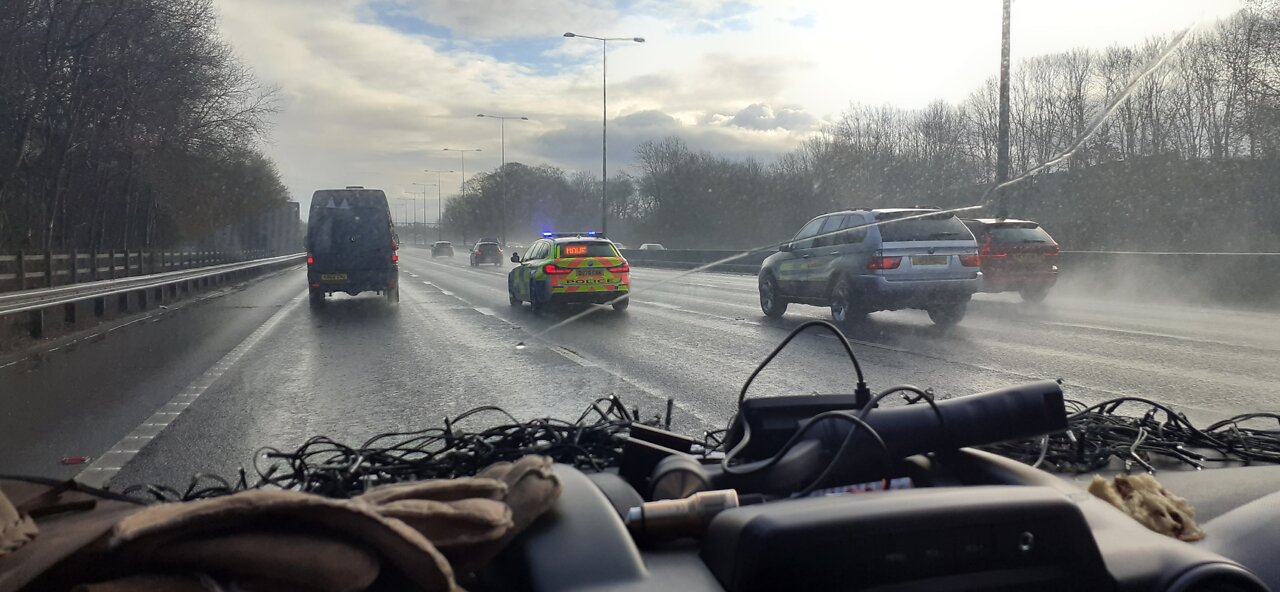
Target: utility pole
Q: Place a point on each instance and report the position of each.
(1002, 132)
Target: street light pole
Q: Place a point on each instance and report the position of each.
(604, 124)
(502, 134)
(424, 187)
(439, 202)
(462, 187)
(1002, 125)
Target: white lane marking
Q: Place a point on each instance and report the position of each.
(446, 292)
(486, 311)
(661, 304)
(106, 466)
(7, 365)
(574, 357)
(413, 275)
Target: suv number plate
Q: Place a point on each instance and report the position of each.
(918, 260)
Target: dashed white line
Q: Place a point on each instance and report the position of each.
(487, 312)
(109, 464)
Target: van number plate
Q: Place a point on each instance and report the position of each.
(918, 260)
(333, 277)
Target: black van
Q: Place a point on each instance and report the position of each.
(351, 244)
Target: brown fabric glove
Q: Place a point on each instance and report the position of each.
(532, 488)
(142, 537)
(15, 528)
(148, 583)
(283, 560)
(73, 522)
(471, 519)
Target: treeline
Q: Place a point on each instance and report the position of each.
(125, 124)
(1188, 159)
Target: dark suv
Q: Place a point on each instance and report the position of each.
(1017, 256)
(861, 261)
(486, 252)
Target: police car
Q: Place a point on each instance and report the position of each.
(562, 268)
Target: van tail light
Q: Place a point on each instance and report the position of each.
(624, 268)
(311, 260)
(395, 258)
(882, 262)
(551, 269)
(970, 260)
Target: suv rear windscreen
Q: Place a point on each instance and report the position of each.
(587, 249)
(1018, 234)
(940, 227)
(488, 248)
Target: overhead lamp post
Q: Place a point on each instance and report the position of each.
(604, 131)
(424, 187)
(404, 206)
(502, 134)
(462, 152)
(439, 202)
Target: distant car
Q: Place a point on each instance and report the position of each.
(442, 249)
(486, 252)
(570, 268)
(925, 260)
(1017, 256)
(652, 247)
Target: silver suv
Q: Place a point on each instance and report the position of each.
(883, 260)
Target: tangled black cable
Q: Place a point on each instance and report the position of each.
(1097, 436)
(330, 468)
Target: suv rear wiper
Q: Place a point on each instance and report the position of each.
(944, 234)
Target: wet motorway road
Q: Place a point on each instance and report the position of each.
(202, 385)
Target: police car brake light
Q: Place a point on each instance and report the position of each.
(624, 268)
(551, 269)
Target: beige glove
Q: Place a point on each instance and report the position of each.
(147, 539)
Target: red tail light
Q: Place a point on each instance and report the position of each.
(1054, 252)
(551, 269)
(970, 260)
(395, 258)
(881, 262)
(624, 268)
(311, 260)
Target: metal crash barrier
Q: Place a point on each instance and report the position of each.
(30, 312)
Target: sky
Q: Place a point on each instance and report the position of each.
(371, 92)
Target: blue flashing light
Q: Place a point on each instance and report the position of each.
(591, 233)
(547, 234)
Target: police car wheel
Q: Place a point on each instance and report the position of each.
(771, 301)
(511, 296)
(621, 304)
(534, 304)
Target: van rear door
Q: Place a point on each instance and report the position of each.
(350, 240)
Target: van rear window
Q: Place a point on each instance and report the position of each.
(932, 228)
(346, 230)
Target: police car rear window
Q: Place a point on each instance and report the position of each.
(587, 249)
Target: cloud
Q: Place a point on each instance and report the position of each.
(760, 116)
(372, 90)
